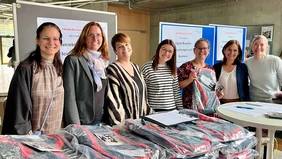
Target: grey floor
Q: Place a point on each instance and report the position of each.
(277, 155)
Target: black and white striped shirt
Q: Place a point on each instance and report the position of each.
(123, 94)
(163, 89)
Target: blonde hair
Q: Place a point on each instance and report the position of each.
(257, 37)
(200, 40)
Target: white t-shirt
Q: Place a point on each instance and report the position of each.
(229, 82)
(265, 77)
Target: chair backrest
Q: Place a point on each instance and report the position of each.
(4, 104)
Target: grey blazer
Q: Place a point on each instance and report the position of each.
(83, 104)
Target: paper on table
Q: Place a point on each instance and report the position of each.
(251, 112)
(269, 107)
(169, 118)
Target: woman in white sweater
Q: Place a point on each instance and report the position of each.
(265, 71)
(161, 79)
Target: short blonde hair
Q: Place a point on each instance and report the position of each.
(257, 37)
(200, 40)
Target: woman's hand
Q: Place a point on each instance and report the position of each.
(193, 75)
(219, 94)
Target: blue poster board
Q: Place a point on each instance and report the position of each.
(185, 36)
(224, 33)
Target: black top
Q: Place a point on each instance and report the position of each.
(99, 103)
(17, 119)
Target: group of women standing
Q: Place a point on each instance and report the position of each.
(259, 78)
(263, 71)
(45, 95)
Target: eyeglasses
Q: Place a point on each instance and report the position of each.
(203, 48)
(97, 36)
(47, 39)
(166, 50)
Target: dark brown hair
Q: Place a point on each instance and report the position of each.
(80, 46)
(238, 58)
(171, 63)
(36, 55)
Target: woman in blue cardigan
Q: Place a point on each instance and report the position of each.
(233, 74)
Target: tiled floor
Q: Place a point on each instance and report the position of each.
(6, 74)
(277, 155)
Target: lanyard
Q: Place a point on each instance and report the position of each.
(48, 109)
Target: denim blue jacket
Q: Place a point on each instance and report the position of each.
(242, 79)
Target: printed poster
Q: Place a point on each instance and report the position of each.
(267, 31)
(224, 34)
(184, 38)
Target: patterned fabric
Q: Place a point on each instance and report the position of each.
(155, 151)
(239, 145)
(204, 99)
(220, 129)
(124, 95)
(86, 136)
(245, 154)
(42, 90)
(97, 66)
(181, 144)
(16, 147)
(114, 143)
(183, 73)
(163, 89)
(144, 140)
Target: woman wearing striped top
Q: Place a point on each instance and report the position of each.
(127, 89)
(161, 79)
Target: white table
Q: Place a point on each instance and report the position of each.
(259, 122)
